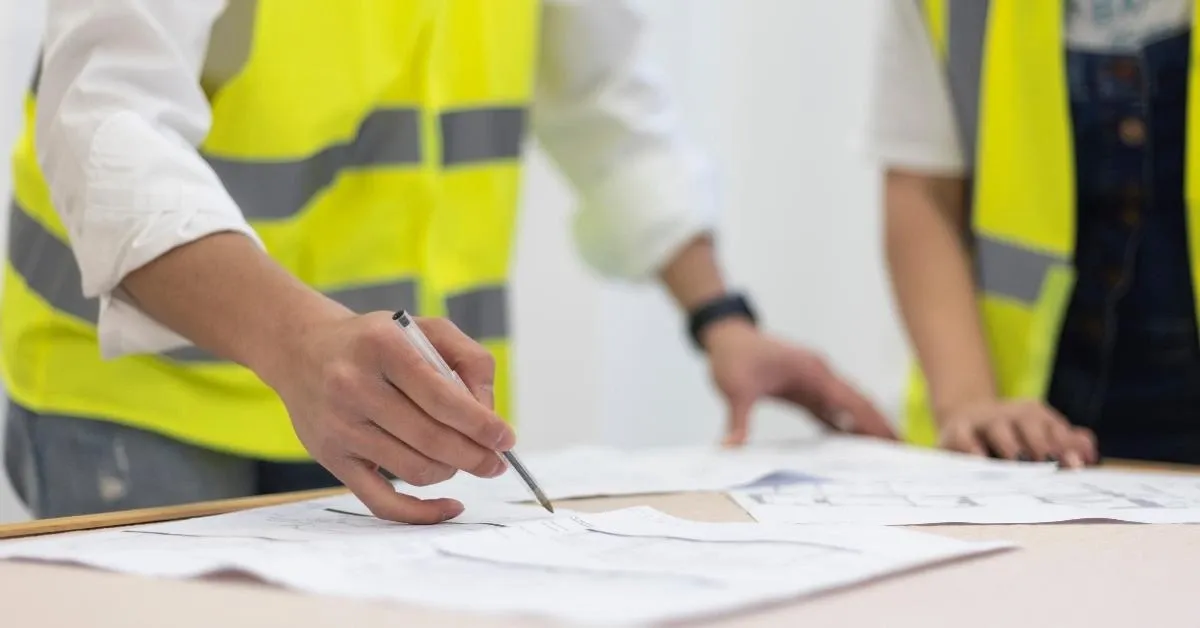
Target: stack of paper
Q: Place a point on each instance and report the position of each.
(627, 566)
(638, 565)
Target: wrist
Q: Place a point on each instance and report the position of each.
(278, 352)
(726, 332)
(725, 316)
(946, 409)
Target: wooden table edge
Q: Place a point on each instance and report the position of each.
(219, 507)
(156, 515)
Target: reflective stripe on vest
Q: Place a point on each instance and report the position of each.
(276, 190)
(1011, 271)
(1002, 268)
(387, 137)
(48, 267)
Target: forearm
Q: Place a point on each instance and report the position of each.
(931, 278)
(227, 296)
(692, 276)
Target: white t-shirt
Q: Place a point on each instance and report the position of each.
(910, 119)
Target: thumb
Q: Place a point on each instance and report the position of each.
(739, 420)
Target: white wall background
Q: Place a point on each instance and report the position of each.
(775, 91)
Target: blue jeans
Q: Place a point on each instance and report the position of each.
(63, 466)
(1128, 362)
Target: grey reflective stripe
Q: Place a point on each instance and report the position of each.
(480, 135)
(194, 355)
(47, 266)
(966, 33)
(389, 296)
(481, 314)
(272, 190)
(1012, 271)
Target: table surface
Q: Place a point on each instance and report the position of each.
(1093, 575)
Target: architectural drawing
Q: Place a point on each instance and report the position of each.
(1064, 496)
(1051, 491)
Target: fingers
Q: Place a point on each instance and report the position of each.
(443, 399)
(1037, 434)
(382, 499)
(474, 364)
(963, 437)
(1085, 441)
(485, 394)
(1021, 431)
(397, 416)
(1077, 446)
(1047, 435)
(840, 404)
(850, 411)
(1001, 437)
(739, 421)
(374, 445)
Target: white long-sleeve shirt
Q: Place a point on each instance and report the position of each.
(121, 111)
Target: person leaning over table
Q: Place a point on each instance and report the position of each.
(270, 180)
(1042, 224)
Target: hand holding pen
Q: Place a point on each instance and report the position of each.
(361, 398)
(409, 326)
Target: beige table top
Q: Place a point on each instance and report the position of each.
(1094, 575)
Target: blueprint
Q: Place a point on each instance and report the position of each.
(1063, 496)
(633, 566)
(594, 471)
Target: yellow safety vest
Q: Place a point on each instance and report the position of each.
(1005, 65)
(374, 146)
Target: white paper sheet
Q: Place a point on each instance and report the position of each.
(606, 471)
(1063, 496)
(630, 566)
(338, 517)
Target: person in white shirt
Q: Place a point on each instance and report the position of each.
(1123, 380)
(128, 92)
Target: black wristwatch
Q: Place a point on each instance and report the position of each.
(720, 308)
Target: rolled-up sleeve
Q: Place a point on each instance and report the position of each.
(120, 112)
(603, 114)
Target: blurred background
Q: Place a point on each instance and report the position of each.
(775, 91)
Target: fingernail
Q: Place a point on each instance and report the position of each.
(844, 421)
(1072, 460)
(451, 512)
(498, 468)
(504, 438)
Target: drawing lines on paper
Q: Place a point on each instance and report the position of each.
(676, 552)
(1074, 493)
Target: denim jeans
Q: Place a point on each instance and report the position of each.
(61, 465)
(1128, 361)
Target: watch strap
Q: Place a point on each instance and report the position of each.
(720, 308)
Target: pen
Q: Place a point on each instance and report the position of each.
(431, 355)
